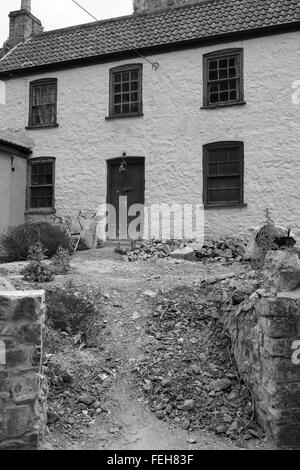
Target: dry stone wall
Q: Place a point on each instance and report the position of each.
(23, 389)
(266, 342)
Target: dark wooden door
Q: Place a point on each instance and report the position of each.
(129, 183)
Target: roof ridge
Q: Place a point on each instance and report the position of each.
(123, 17)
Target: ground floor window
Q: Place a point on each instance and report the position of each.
(41, 183)
(223, 174)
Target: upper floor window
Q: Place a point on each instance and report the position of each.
(223, 174)
(41, 183)
(126, 91)
(43, 103)
(223, 78)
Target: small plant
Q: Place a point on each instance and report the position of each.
(61, 261)
(266, 237)
(37, 270)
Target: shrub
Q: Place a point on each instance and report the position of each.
(37, 270)
(61, 261)
(68, 309)
(16, 241)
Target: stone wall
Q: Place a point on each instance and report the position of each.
(23, 389)
(265, 334)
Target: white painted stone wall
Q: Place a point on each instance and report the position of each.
(173, 130)
(12, 190)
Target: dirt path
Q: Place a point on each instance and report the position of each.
(128, 424)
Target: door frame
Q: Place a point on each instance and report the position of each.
(112, 161)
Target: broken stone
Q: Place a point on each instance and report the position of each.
(187, 405)
(183, 253)
(86, 399)
(220, 385)
(150, 293)
(282, 270)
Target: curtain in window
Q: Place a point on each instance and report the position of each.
(44, 104)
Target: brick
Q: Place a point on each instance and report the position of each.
(16, 357)
(17, 420)
(279, 327)
(279, 347)
(24, 387)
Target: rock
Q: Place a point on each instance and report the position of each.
(219, 385)
(221, 429)
(183, 253)
(86, 399)
(150, 293)
(160, 414)
(188, 405)
(5, 285)
(166, 382)
(52, 416)
(192, 440)
(114, 430)
(282, 270)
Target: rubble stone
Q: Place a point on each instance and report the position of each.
(282, 270)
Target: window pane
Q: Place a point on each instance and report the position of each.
(223, 80)
(213, 75)
(213, 65)
(117, 77)
(223, 74)
(134, 108)
(126, 96)
(224, 175)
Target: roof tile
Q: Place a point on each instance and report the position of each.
(206, 19)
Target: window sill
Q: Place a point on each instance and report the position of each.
(225, 206)
(31, 128)
(123, 116)
(43, 210)
(225, 105)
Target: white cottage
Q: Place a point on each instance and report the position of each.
(185, 102)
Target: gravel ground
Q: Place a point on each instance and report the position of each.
(97, 400)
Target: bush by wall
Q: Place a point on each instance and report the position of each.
(16, 241)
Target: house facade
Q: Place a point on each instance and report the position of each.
(180, 103)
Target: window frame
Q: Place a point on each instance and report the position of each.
(223, 54)
(44, 81)
(224, 145)
(38, 160)
(120, 69)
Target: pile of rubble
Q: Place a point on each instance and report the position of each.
(231, 249)
(188, 374)
(152, 249)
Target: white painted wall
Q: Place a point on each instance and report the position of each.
(12, 190)
(173, 130)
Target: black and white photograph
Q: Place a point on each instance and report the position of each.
(150, 228)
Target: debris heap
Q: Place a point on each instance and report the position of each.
(188, 374)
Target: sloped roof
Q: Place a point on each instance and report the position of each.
(16, 140)
(206, 20)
